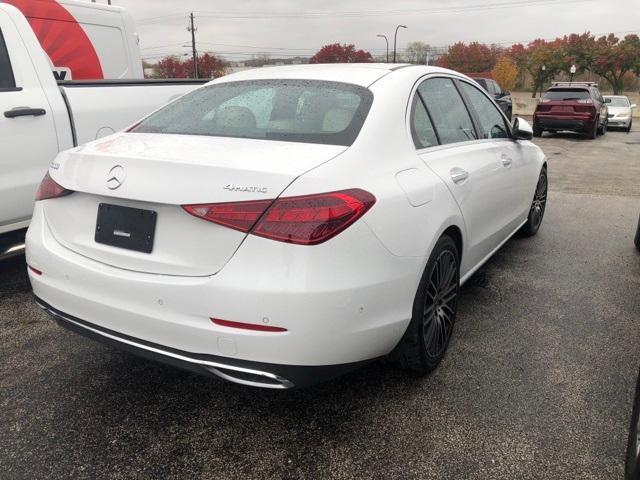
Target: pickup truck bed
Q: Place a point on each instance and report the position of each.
(101, 107)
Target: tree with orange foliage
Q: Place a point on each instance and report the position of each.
(505, 73)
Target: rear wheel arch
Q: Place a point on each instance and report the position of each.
(455, 234)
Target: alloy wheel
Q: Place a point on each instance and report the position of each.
(440, 304)
(539, 201)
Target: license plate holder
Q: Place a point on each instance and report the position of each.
(126, 227)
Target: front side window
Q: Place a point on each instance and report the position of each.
(492, 123)
(307, 111)
(618, 101)
(6, 74)
(449, 114)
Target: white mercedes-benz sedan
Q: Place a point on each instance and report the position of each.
(280, 226)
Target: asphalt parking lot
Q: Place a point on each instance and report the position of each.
(538, 381)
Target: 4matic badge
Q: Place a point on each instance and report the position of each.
(232, 187)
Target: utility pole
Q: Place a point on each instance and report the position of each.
(193, 47)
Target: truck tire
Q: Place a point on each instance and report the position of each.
(592, 134)
(603, 128)
(537, 131)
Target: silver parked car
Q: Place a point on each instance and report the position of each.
(620, 111)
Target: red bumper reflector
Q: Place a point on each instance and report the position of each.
(35, 270)
(248, 326)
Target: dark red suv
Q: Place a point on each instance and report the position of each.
(571, 106)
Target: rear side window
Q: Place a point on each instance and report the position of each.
(421, 127)
(448, 112)
(7, 81)
(492, 123)
(567, 94)
(305, 111)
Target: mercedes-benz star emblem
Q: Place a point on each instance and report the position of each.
(116, 177)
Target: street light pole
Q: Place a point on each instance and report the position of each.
(387, 42)
(395, 38)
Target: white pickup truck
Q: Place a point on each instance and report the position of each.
(40, 117)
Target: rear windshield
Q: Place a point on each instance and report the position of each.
(306, 111)
(618, 101)
(567, 94)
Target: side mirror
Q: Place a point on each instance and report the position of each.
(506, 93)
(633, 105)
(521, 129)
(607, 100)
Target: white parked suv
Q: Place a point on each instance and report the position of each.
(279, 226)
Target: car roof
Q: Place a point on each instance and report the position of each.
(363, 74)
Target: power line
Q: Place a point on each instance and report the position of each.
(277, 51)
(365, 13)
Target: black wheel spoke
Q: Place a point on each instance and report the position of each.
(440, 304)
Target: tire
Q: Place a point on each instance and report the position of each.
(632, 461)
(538, 206)
(603, 128)
(637, 239)
(426, 339)
(629, 127)
(593, 131)
(537, 131)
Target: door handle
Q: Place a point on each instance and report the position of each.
(24, 112)
(506, 161)
(458, 175)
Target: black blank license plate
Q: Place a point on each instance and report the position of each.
(125, 227)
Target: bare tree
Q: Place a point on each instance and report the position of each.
(416, 52)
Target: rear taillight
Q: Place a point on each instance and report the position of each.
(585, 100)
(49, 188)
(303, 220)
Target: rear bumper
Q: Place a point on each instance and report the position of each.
(341, 304)
(563, 123)
(254, 374)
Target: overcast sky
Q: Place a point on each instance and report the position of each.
(287, 28)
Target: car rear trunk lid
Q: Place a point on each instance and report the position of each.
(160, 173)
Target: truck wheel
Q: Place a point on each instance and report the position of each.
(603, 128)
(593, 131)
(537, 131)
